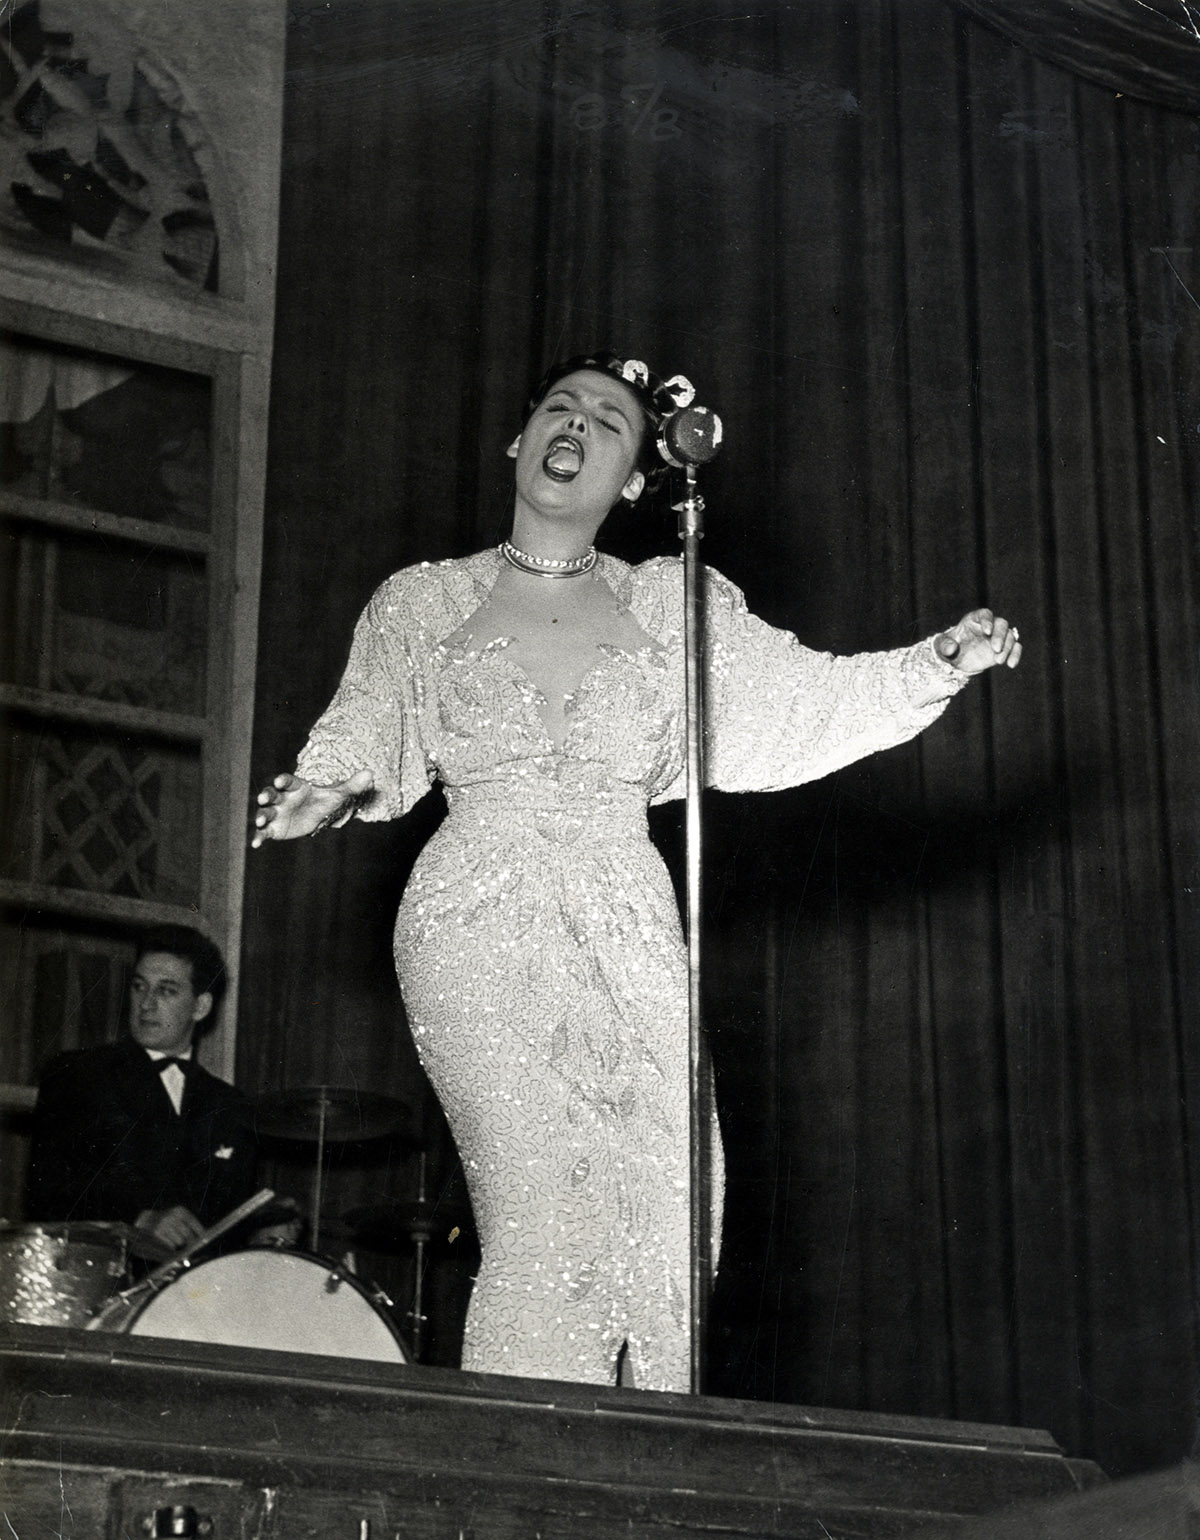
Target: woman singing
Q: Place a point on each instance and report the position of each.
(538, 944)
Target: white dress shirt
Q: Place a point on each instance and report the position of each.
(172, 1076)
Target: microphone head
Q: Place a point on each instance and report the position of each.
(691, 436)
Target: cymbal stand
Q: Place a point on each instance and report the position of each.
(420, 1232)
(319, 1174)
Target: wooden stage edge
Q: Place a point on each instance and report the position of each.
(101, 1430)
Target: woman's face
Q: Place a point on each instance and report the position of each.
(578, 452)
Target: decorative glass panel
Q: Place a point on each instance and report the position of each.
(97, 147)
(102, 618)
(106, 433)
(102, 811)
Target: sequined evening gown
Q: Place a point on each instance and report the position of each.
(538, 943)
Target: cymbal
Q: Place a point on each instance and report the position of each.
(397, 1224)
(116, 1233)
(346, 1112)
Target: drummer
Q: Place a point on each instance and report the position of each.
(137, 1131)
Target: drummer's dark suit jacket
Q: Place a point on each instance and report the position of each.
(107, 1143)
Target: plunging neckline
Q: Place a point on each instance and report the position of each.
(534, 695)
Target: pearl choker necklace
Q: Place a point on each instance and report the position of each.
(548, 566)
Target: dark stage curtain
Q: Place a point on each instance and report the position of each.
(1147, 48)
(944, 296)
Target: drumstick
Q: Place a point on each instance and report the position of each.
(167, 1270)
(234, 1217)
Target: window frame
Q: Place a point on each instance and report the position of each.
(194, 335)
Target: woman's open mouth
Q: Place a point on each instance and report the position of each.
(563, 459)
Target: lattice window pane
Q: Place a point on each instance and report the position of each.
(62, 985)
(105, 619)
(103, 811)
(105, 432)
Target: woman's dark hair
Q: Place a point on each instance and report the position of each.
(657, 398)
(202, 956)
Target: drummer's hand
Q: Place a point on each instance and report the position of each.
(283, 1229)
(175, 1227)
(289, 808)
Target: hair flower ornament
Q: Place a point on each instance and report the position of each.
(681, 391)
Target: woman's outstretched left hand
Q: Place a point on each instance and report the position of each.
(979, 641)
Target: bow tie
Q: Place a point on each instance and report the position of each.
(182, 1065)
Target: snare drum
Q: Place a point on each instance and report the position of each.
(267, 1297)
(59, 1274)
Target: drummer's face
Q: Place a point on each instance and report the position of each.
(164, 1008)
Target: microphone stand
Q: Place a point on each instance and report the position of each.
(691, 530)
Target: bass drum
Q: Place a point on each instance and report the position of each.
(266, 1297)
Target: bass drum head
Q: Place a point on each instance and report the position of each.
(269, 1298)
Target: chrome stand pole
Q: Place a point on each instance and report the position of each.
(319, 1174)
(700, 1132)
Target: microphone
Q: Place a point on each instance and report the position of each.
(691, 436)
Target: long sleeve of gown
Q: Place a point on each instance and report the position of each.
(371, 723)
(779, 713)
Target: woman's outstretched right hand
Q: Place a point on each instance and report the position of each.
(290, 808)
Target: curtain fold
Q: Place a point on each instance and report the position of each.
(943, 295)
(1144, 48)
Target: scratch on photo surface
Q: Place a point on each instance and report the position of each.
(779, 1282)
(1165, 253)
(18, 1419)
(891, 355)
(62, 1493)
(812, 861)
(841, 1272)
(670, 31)
(1189, 23)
